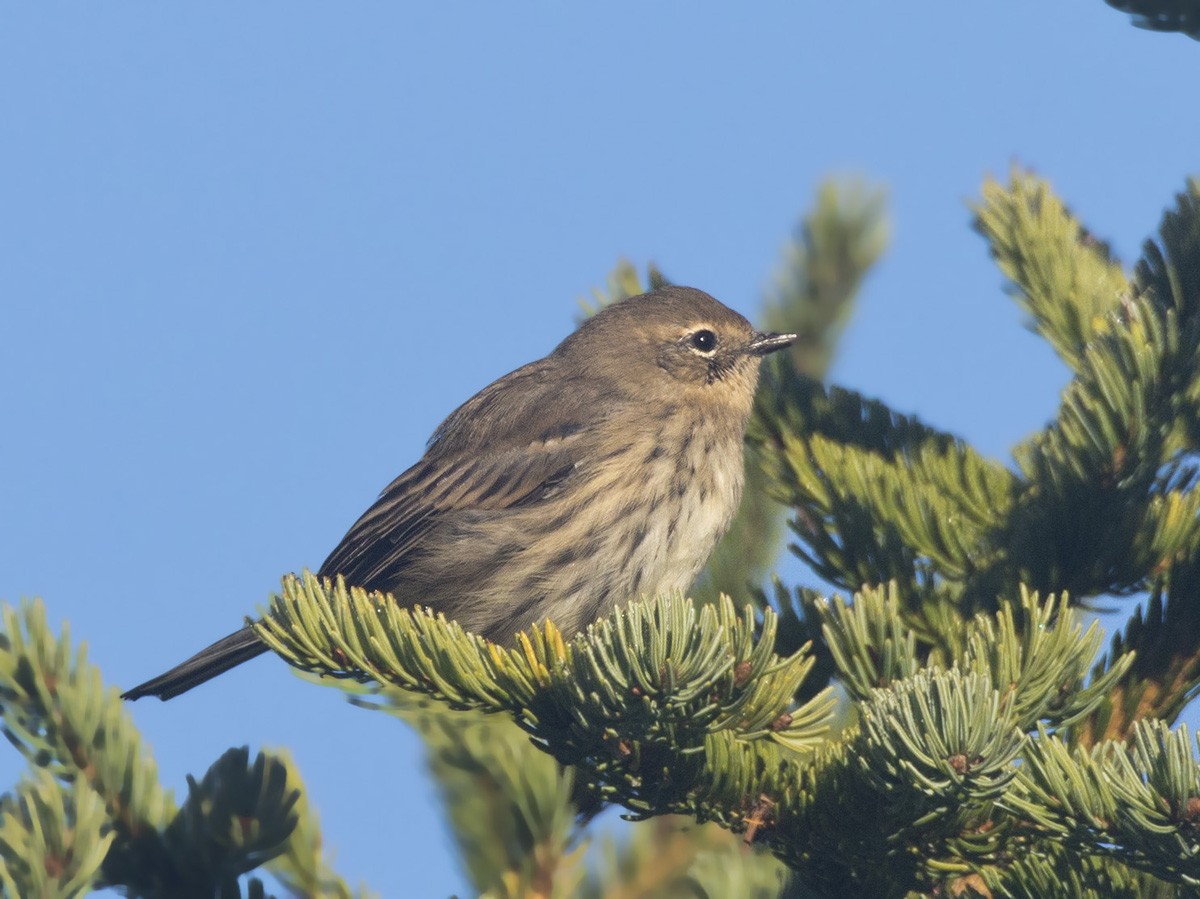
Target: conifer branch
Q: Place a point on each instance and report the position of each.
(1050, 871)
(1036, 648)
(515, 812)
(1139, 804)
(636, 701)
(58, 713)
(519, 818)
(879, 496)
(622, 282)
(1040, 654)
(1164, 633)
(53, 840)
(94, 808)
(1059, 273)
(235, 819)
(939, 748)
(671, 856)
(937, 744)
(301, 866)
(1169, 275)
(834, 248)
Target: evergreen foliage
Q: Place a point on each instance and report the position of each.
(985, 743)
(812, 296)
(92, 813)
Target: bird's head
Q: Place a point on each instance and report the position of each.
(674, 342)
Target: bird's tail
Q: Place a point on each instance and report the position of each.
(238, 647)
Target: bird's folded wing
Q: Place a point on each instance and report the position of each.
(513, 443)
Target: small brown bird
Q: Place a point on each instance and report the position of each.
(605, 471)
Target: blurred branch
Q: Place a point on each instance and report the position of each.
(824, 265)
(93, 814)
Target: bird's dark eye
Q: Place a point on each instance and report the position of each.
(705, 341)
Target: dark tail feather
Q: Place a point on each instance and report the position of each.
(238, 647)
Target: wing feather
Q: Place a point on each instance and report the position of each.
(536, 440)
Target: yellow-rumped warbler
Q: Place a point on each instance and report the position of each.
(605, 471)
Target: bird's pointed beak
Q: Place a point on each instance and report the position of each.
(761, 344)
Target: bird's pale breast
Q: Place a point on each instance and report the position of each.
(640, 520)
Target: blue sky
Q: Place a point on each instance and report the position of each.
(251, 255)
